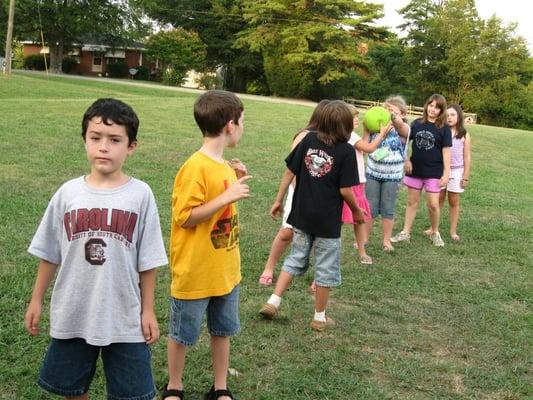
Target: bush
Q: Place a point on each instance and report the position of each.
(35, 62)
(18, 55)
(173, 77)
(209, 81)
(143, 73)
(287, 79)
(118, 69)
(68, 64)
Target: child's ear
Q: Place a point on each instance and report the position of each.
(131, 147)
(228, 128)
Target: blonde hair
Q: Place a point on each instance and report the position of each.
(353, 110)
(399, 102)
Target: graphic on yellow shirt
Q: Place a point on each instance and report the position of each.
(225, 232)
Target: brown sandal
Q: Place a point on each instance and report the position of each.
(172, 392)
(215, 394)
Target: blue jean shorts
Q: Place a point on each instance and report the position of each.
(70, 364)
(382, 197)
(327, 258)
(186, 317)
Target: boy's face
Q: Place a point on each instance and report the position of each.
(107, 146)
(235, 131)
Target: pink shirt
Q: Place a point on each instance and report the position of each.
(359, 156)
(457, 153)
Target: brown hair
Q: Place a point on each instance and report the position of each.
(441, 104)
(460, 130)
(335, 123)
(313, 121)
(214, 109)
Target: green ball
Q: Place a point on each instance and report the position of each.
(374, 116)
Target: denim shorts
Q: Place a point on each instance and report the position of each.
(70, 364)
(186, 317)
(327, 258)
(382, 197)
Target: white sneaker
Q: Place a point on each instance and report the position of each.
(436, 239)
(401, 237)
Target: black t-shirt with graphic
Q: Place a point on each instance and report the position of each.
(428, 141)
(320, 172)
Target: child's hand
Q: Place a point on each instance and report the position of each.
(238, 190)
(359, 216)
(385, 129)
(150, 327)
(277, 209)
(408, 167)
(463, 183)
(32, 318)
(238, 167)
(443, 182)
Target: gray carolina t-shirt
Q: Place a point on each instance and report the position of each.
(101, 239)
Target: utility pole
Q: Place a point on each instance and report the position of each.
(9, 36)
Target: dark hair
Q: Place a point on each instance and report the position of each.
(313, 121)
(214, 109)
(460, 130)
(335, 123)
(441, 104)
(112, 111)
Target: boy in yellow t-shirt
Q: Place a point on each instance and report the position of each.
(204, 243)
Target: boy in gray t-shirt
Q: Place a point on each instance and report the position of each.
(103, 230)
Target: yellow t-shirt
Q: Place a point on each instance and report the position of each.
(205, 260)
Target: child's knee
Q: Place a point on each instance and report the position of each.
(286, 234)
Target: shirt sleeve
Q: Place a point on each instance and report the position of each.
(412, 130)
(151, 250)
(447, 137)
(189, 193)
(46, 243)
(295, 158)
(349, 174)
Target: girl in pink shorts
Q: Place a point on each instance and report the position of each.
(428, 168)
(361, 145)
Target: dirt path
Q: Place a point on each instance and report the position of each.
(151, 85)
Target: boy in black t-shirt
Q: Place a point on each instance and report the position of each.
(325, 168)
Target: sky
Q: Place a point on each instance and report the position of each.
(507, 10)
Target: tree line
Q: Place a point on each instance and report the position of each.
(309, 49)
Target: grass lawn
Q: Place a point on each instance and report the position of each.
(421, 323)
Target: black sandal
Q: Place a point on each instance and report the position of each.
(215, 394)
(172, 392)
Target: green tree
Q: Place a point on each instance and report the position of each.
(423, 51)
(178, 50)
(482, 65)
(502, 86)
(64, 22)
(217, 23)
(308, 45)
(389, 72)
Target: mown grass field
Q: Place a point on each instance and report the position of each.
(421, 323)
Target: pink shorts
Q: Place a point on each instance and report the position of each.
(362, 203)
(430, 185)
